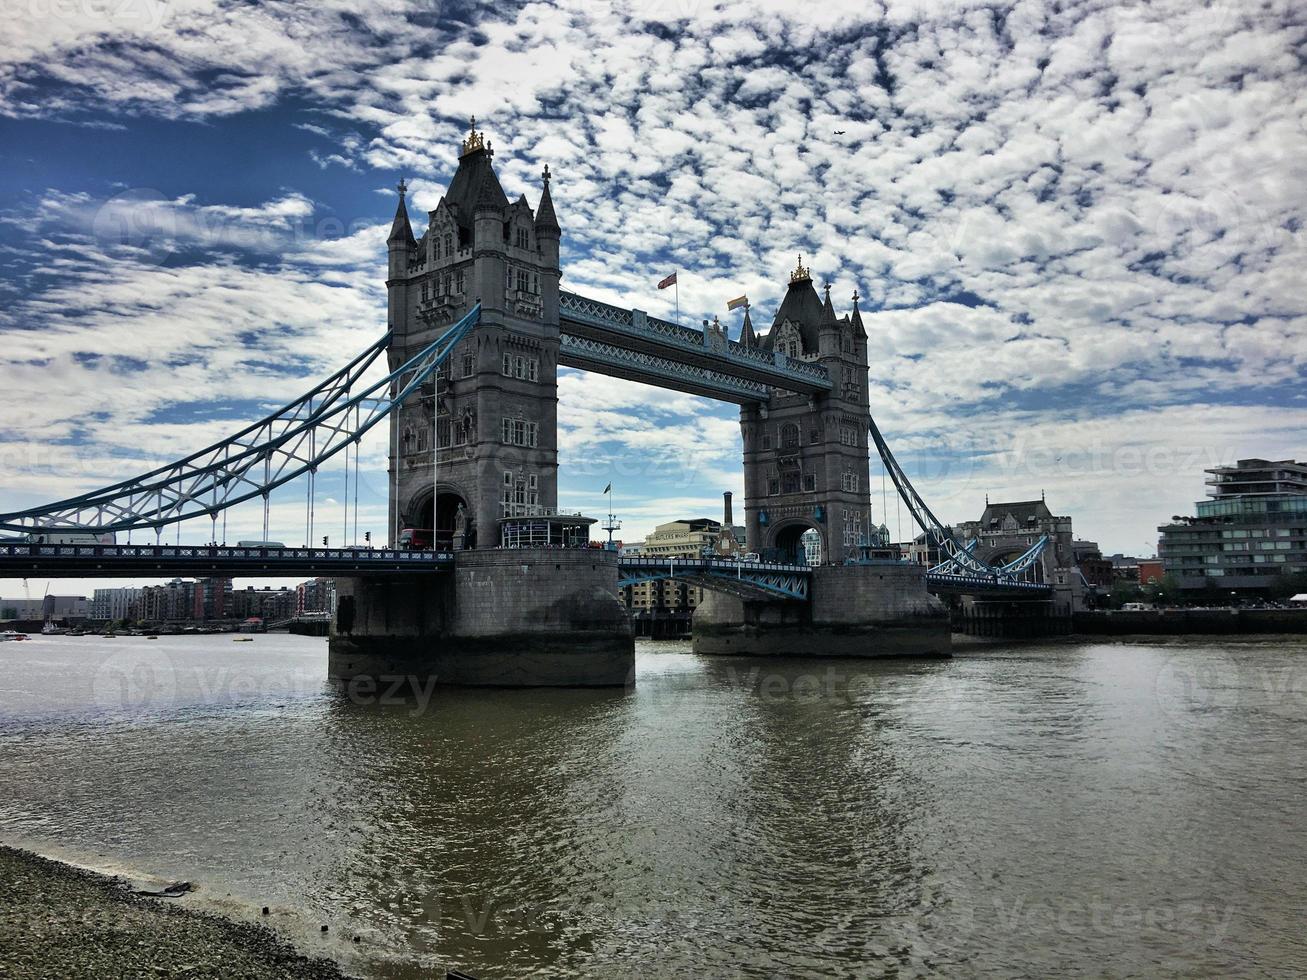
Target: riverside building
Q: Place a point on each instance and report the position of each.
(1251, 530)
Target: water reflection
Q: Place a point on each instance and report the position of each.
(1094, 808)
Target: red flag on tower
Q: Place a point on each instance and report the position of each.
(669, 281)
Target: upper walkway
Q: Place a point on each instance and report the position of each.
(631, 344)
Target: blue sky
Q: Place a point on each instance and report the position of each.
(1077, 227)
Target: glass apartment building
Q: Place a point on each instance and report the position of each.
(1253, 527)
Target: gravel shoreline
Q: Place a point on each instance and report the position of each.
(60, 921)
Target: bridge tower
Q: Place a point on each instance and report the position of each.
(476, 448)
(492, 411)
(806, 459)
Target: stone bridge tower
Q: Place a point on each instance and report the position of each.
(806, 462)
(488, 423)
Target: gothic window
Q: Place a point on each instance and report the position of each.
(790, 481)
(449, 282)
(507, 369)
(809, 483)
(814, 436)
(851, 384)
(458, 281)
(847, 436)
(469, 364)
(508, 276)
(533, 369)
(519, 491)
(789, 436)
(523, 238)
(849, 482)
(519, 432)
(519, 367)
(444, 432)
(766, 438)
(426, 290)
(788, 341)
(523, 281)
(852, 530)
(449, 246)
(773, 487)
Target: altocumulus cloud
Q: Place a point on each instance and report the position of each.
(1077, 227)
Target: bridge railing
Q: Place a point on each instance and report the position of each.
(727, 564)
(221, 552)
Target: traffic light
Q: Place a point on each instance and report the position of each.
(367, 537)
(324, 541)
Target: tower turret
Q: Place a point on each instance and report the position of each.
(401, 241)
(548, 235)
(747, 337)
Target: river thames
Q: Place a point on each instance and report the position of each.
(1071, 808)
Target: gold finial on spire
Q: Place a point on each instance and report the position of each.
(403, 187)
(475, 141)
(856, 297)
(547, 175)
(800, 273)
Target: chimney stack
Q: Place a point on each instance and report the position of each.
(728, 521)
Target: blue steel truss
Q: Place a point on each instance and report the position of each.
(684, 346)
(1017, 566)
(1028, 559)
(747, 580)
(605, 358)
(958, 563)
(950, 566)
(294, 440)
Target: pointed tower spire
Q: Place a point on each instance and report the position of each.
(857, 317)
(747, 337)
(401, 232)
(545, 217)
(827, 310)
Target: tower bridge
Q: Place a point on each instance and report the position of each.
(510, 590)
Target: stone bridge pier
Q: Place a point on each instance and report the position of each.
(853, 611)
(531, 617)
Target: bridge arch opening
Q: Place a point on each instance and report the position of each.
(445, 518)
(799, 544)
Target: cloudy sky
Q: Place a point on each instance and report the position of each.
(1077, 226)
